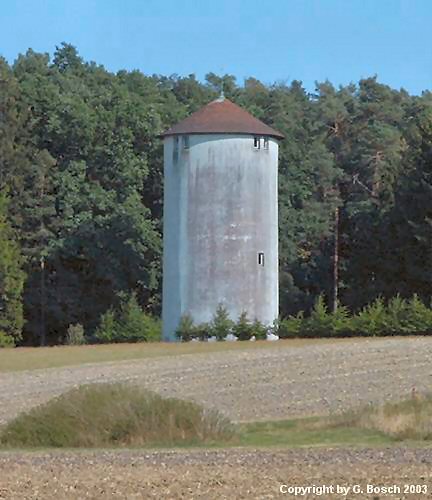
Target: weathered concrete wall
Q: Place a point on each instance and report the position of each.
(220, 212)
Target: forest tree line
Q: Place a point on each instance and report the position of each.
(81, 188)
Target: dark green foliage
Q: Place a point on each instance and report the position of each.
(259, 331)
(373, 319)
(129, 323)
(322, 323)
(290, 327)
(186, 328)
(396, 317)
(82, 201)
(108, 329)
(82, 161)
(201, 331)
(6, 340)
(221, 324)
(11, 280)
(243, 328)
(110, 415)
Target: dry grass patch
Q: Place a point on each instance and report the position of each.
(117, 415)
(410, 419)
(386, 424)
(105, 415)
(31, 358)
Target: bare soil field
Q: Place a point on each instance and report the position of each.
(246, 385)
(251, 384)
(215, 474)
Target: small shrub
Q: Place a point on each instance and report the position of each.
(259, 331)
(342, 324)
(134, 325)
(152, 328)
(243, 329)
(290, 327)
(101, 415)
(221, 324)
(220, 327)
(397, 317)
(418, 317)
(320, 321)
(6, 340)
(107, 330)
(372, 320)
(129, 324)
(75, 335)
(186, 328)
(405, 317)
(201, 331)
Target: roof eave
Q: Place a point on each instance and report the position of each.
(275, 135)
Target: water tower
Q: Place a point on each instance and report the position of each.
(220, 217)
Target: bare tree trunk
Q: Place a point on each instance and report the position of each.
(43, 322)
(42, 269)
(334, 304)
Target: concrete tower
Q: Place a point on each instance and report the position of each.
(220, 217)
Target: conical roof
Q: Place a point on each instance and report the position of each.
(222, 117)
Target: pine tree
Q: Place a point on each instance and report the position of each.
(221, 323)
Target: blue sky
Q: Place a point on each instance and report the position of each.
(272, 40)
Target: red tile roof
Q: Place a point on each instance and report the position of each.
(222, 117)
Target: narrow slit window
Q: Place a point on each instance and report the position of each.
(266, 142)
(185, 142)
(257, 143)
(261, 259)
(175, 149)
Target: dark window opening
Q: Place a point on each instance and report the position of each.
(175, 149)
(266, 143)
(257, 143)
(185, 142)
(261, 259)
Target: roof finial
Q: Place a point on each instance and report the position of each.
(221, 95)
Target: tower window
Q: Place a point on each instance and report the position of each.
(261, 259)
(185, 142)
(266, 142)
(175, 149)
(257, 143)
